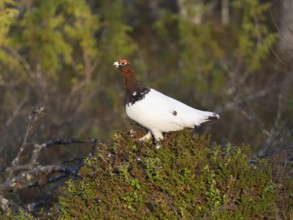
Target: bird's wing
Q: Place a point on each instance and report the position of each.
(155, 110)
(185, 115)
(158, 111)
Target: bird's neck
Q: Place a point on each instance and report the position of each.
(131, 85)
(133, 89)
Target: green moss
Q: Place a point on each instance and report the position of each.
(187, 178)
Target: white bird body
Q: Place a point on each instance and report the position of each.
(160, 113)
(155, 111)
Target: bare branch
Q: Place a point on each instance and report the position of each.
(7, 206)
(32, 174)
(275, 130)
(41, 175)
(243, 105)
(252, 97)
(66, 141)
(280, 149)
(36, 115)
(29, 178)
(16, 110)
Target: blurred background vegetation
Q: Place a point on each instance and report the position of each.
(233, 57)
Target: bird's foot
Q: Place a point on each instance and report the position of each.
(158, 145)
(158, 137)
(132, 133)
(147, 137)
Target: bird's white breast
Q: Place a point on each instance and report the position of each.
(157, 111)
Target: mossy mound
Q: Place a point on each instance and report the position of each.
(184, 179)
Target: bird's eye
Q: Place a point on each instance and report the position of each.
(123, 62)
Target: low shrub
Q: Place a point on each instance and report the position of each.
(187, 178)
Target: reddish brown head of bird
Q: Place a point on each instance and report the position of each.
(130, 83)
(123, 65)
(125, 68)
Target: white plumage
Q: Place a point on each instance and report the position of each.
(160, 113)
(155, 111)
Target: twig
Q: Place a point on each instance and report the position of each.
(38, 147)
(7, 206)
(254, 96)
(28, 178)
(93, 147)
(32, 174)
(243, 105)
(37, 113)
(25, 63)
(32, 206)
(275, 130)
(280, 149)
(250, 114)
(16, 111)
(40, 175)
(66, 141)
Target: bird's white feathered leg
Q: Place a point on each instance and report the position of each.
(146, 137)
(158, 137)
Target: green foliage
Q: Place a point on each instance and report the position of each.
(254, 38)
(199, 51)
(204, 46)
(62, 49)
(7, 17)
(57, 37)
(21, 215)
(51, 29)
(59, 54)
(186, 178)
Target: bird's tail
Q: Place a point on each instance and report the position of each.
(213, 116)
(206, 116)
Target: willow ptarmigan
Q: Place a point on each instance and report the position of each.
(155, 111)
